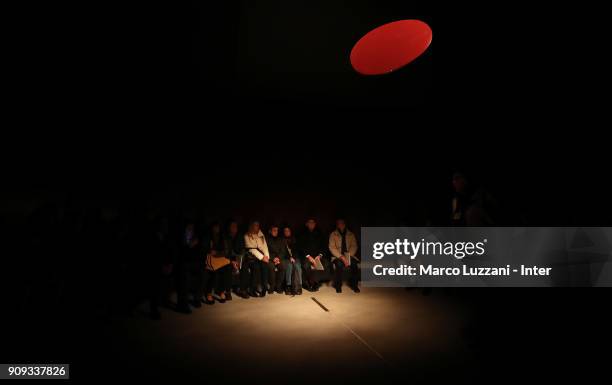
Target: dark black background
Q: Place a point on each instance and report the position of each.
(166, 105)
(111, 99)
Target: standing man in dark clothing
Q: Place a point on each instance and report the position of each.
(190, 269)
(278, 254)
(471, 206)
(312, 247)
(343, 248)
(460, 201)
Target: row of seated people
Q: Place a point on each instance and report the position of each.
(262, 264)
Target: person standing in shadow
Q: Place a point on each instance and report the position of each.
(257, 259)
(160, 266)
(190, 269)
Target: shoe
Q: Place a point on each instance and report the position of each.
(263, 293)
(243, 294)
(209, 301)
(338, 289)
(279, 291)
(253, 293)
(222, 299)
(270, 291)
(299, 291)
(228, 296)
(356, 289)
(288, 291)
(315, 288)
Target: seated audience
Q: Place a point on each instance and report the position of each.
(311, 248)
(278, 253)
(257, 260)
(160, 267)
(343, 249)
(218, 269)
(234, 244)
(292, 266)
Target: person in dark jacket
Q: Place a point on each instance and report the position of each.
(312, 247)
(234, 244)
(292, 262)
(190, 267)
(278, 254)
(221, 278)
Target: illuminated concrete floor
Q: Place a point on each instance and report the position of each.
(364, 337)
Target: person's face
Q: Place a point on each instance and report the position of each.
(233, 228)
(340, 225)
(255, 228)
(287, 232)
(274, 232)
(311, 224)
(459, 184)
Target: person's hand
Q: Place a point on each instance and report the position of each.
(344, 260)
(276, 261)
(311, 260)
(235, 265)
(265, 259)
(292, 260)
(318, 258)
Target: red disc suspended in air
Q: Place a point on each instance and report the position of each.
(390, 47)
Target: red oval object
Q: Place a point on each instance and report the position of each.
(390, 47)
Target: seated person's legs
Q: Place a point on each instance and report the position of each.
(279, 277)
(271, 282)
(288, 270)
(354, 279)
(262, 276)
(196, 271)
(246, 277)
(309, 275)
(225, 282)
(208, 283)
(256, 277)
(298, 277)
(338, 266)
